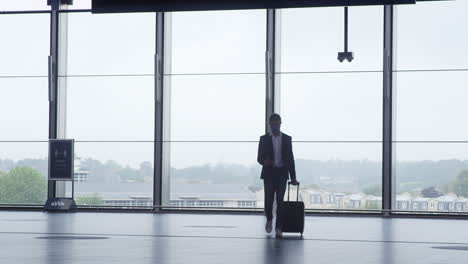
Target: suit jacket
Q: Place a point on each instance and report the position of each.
(265, 150)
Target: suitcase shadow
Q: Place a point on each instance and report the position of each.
(289, 249)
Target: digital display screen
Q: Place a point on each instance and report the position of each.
(61, 159)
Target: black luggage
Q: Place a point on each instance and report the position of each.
(293, 214)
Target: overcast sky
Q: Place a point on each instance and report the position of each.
(314, 106)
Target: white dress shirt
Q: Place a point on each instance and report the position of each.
(277, 159)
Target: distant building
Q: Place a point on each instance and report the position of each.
(182, 195)
(403, 202)
(132, 201)
(420, 204)
(78, 174)
(373, 202)
(190, 201)
(208, 195)
(446, 203)
(461, 204)
(319, 199)
(356, 201)
(184, 202)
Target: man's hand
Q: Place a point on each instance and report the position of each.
(268, 162)
(294, 182)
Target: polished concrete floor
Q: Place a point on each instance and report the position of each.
(35, 237)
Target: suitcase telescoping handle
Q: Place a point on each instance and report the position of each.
(297, 198)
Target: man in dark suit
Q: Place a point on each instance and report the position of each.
(276, 156)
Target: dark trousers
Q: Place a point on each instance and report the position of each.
(275, 183)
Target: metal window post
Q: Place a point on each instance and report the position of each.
(159, 107)
(58, 86)
(53, 82)
(272, 64)
(388, 117)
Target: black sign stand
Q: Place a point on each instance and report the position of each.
(61, 157)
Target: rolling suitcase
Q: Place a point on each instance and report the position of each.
(293, 214)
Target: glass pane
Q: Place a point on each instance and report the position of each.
(432, 35)
(431, 106)
(110, 43)
(110, 108)
(312, 37)
(23, 5)
(24, 54)
(344, 176)
(214, 174)
(340, 175)
(24, 109)
(114, 174)
(23, 172)
(218, 42)
(332, 106)
(431, 177)
(227, 107)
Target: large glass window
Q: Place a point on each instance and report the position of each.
(218, 42)
(431, 138)
(431, 91)
(24, 108)
(111, 44)
(312, 37)
(217, 107)
(432, 36)
(431, 106)
(109, 86)
(116, 108)
(24, 54)
(23, 5)
(322, 106)
(333, 110)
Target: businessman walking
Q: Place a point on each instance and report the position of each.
(276, 156)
